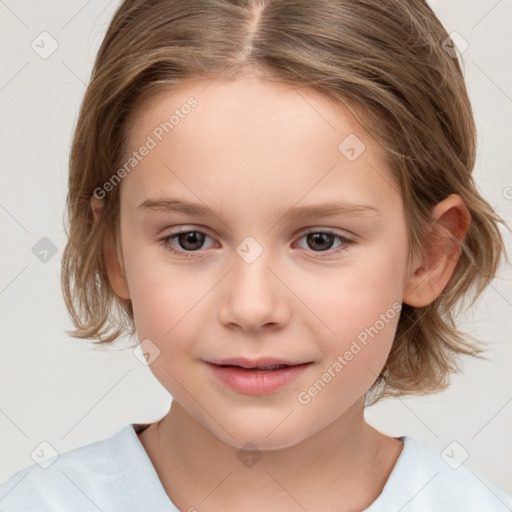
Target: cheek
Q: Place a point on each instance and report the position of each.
(351, 298)
(353, 359)
(165, 305)
(361, 306)
(164, 296)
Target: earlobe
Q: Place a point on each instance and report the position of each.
(431, 271)
(112, 256)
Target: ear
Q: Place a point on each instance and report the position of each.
(112, 256)
(430, 272)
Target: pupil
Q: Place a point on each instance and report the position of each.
(319, 238)
(194, 238)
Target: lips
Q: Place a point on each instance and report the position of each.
(256, 376)
(260, 363)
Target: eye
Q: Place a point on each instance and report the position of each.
(192, 241)
(322, 241)
(189, 242)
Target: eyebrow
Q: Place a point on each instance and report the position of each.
(330, 208)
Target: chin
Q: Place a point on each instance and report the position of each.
(265, 435)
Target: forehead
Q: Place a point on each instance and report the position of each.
(249, 105)
(250, 138)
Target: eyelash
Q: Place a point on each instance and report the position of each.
(345, 243)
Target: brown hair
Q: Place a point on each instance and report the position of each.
(386, 59)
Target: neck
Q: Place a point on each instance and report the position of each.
(348, 460)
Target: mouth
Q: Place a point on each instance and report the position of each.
(262, 363)
(261, 369)
(257, 377)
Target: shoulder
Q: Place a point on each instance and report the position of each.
(80, 478)
(424, 480)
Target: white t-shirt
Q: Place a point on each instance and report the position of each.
(116, 475)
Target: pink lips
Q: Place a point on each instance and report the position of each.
(257, 376)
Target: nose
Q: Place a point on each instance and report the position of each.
(252, 297)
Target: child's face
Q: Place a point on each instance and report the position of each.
(252, 151)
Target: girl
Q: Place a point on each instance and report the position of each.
(276, 198)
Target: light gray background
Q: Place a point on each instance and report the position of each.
(57, 389)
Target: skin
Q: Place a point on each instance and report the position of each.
(252, 147)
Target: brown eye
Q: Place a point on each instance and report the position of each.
(184, 243)
(190, 241)
(320, 241)
(323, 242)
